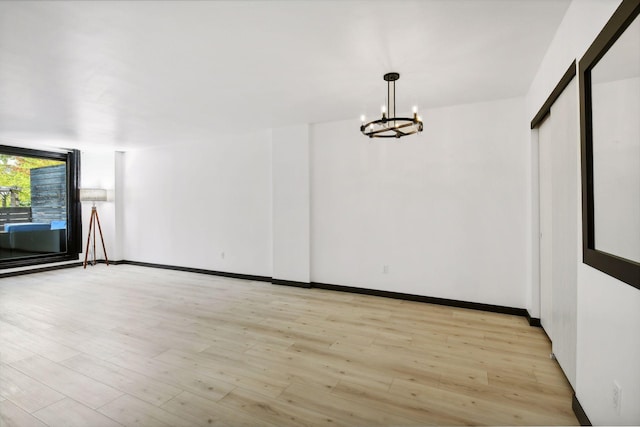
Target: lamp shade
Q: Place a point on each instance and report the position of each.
(93, 195)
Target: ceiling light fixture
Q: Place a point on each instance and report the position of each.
(392, 126)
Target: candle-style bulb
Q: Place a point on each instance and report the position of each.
(362, 118)
(384, 109)
(415, 109)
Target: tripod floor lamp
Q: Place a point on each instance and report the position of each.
(94, 195)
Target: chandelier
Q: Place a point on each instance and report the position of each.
(392, 126)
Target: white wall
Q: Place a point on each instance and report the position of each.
(291, 200)
(444, 210)
(608, 347)
(608, 311)
(206, 206)
(118, 252)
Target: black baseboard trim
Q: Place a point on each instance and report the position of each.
(533, 321)
(374, 292)
(291, 283)
(40, 269)
(197, 270)
(581, 415)
(421, 298)
(40, 259)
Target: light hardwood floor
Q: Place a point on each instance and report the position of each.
(135, 346)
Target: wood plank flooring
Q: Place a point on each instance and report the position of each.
(133, 346)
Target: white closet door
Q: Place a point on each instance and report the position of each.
(559, 203)
(545, 137)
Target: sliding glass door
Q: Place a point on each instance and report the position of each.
(39, 210)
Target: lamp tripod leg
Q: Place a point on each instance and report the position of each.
(86, 252)
(94, 239)
(106, 259)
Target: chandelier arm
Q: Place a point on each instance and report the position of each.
(406, 124)
(397, 119)
(390, 119)
(383, 136)
(394, 136)
(379, 131)
(376, 133)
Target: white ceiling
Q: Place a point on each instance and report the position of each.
(123, 74)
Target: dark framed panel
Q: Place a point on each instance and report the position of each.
(71, 241)
(609, 258)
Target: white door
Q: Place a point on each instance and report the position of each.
(545, 138)
(559, 209)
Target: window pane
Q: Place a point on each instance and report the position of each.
(33, 211)
(616, 147)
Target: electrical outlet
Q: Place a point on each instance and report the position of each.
(617, 397)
